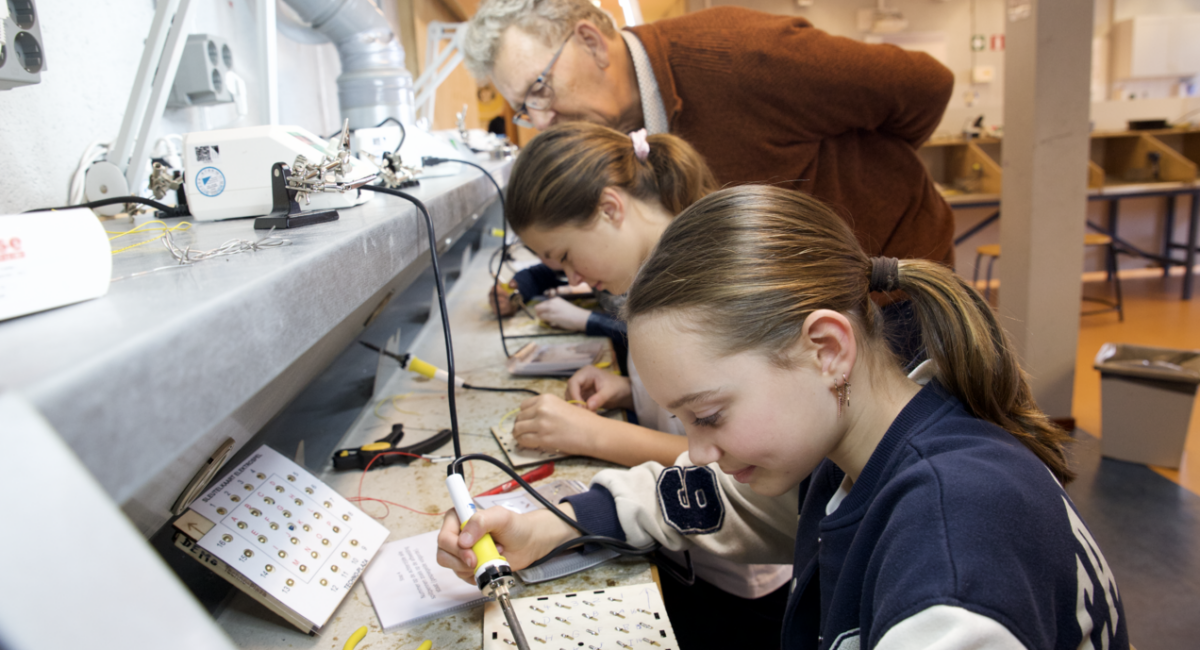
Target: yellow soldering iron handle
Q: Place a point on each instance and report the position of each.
(431, 371)
(486, 551)
(488, 561)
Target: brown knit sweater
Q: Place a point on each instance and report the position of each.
(771, 99)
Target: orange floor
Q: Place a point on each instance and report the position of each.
(1155, 315)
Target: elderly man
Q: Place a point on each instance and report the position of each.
(765, 99)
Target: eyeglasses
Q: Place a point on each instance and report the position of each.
(540, 95)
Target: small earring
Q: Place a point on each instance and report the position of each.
(843, 395)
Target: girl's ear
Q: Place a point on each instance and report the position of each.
(830, 337)
(612, 207)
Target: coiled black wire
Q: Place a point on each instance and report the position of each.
(429, 161)
(441, 292)
(612, 543)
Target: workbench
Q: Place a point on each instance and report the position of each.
(423, 411)
(145, 382)
(1122, 165)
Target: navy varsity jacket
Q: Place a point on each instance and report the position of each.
(954, 536)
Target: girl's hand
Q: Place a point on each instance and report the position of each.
(521, 539)
(562, 314)
(548, 423)
(499, 295)
(599, 389)
(569, 290)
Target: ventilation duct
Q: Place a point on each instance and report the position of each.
(374, 83)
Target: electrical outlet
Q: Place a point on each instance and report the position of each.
(202, 75)
(22, 58)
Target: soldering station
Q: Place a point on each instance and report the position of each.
(268, 341)
(278, 183)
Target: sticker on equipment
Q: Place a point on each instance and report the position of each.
(210, 181)
(690, 500)
(209, 153)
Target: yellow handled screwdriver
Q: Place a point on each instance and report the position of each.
(413, 364)
(493, 574)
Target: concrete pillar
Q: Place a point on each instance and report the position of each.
(1044, 201)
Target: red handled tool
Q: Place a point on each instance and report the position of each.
(535, 475)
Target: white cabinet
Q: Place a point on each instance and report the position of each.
(1146, 47)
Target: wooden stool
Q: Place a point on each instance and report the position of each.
(992, 252)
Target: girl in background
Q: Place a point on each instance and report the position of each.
(593, 202)
(932, 516)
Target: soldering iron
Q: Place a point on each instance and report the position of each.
(411, 363)
(493, 573)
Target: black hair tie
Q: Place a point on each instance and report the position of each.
(885, 274)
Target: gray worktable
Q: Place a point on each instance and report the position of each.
(145, 382)
(421, 406)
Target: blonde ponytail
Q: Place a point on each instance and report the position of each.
(975, 361)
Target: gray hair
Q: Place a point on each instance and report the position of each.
(548, 20)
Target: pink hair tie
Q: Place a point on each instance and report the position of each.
(641, 148)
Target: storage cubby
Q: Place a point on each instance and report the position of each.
(963, 168)
(1134, 158)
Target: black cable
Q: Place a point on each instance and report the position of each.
(430, 161)
(168, 211)
(538, 336)
(441, 292)
(502, 390)
(615, 544)
(405, 359)
(492, 260)
(612, 543)
(403, 132)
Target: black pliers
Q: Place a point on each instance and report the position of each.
(359, 458)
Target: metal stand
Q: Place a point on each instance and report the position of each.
(285, 209)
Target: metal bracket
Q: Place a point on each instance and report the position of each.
(285, 209)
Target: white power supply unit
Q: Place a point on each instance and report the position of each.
(227, 173)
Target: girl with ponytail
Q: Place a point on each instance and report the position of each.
(592, 202)
(930, 515)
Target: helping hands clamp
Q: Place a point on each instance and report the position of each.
(290, 185)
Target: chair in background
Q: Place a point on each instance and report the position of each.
(992, 252)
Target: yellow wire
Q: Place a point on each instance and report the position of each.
(500, 424)
(355, 638)
(393, 400)
(184, 225)
(397, 408)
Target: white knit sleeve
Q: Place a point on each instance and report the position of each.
(945, 627)
(753, 528)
